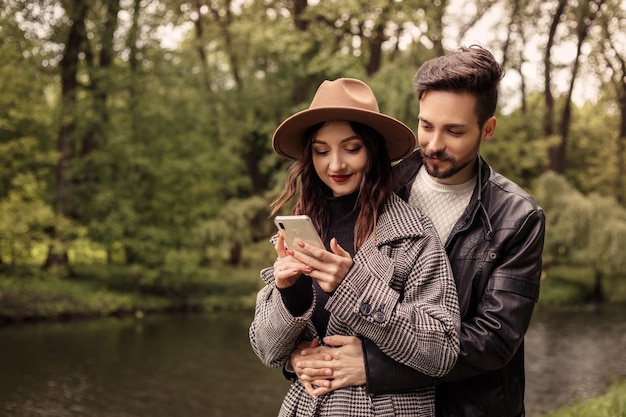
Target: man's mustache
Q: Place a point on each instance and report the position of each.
(438, 155)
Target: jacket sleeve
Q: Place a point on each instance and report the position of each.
(405, 303)
(490, 335)
(275, 332)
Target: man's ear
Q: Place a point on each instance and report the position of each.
(489, 129)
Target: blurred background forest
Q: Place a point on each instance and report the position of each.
(135, 134)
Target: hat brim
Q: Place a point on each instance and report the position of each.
(288, 137)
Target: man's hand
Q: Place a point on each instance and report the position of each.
(323, 369)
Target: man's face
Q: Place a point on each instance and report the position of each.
(449, 136)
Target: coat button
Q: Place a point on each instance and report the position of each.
(379, 317)
(365, 309)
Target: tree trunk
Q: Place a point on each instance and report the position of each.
(375, 43)
(514, 27)
(236, 252)
(100, 81)
(587, 15)
(199, 41)
(621, 137)
(548, 124)
(598, 293)
(57, 254)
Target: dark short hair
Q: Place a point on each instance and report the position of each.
(471, 70)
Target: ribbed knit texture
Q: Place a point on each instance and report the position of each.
(342, 221)
(443, 203)
(343, 217)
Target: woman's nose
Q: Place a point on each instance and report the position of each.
(336, 162)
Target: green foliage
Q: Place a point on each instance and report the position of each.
(518, 150)
(98, 290)
(32, 298)
(590, 230)
(566, 285)
(592, 148)
(568, 217)
(25, 219)
(169, 165)
(393, 87)
(607, 237)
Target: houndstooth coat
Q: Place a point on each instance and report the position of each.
(399, 293)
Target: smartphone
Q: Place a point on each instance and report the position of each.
(298, 228)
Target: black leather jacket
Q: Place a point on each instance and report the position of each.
(495, 251)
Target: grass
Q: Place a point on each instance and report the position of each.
(26, 293)
(610, 404)
(103, 290)
(574, 284)
(562, 285)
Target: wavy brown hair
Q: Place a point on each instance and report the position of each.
(376, 186)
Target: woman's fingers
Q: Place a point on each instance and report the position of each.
(279, 247)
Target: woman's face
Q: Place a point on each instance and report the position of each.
(339, 157)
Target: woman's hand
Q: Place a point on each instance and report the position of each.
(323, 369)
(327, 268)
(287, 269)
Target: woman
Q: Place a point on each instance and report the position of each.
(383, 275)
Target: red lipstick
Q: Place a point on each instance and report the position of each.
(340, 178)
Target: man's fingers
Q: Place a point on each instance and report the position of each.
(311, 374)
(337, 340)
(320, 361)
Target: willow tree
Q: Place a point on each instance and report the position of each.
(576, 237)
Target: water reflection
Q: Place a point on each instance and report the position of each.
(573, 354)
(159, 366)
(203, 365)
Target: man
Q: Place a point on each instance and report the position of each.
(493, 233)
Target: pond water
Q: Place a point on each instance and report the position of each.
(202, 365)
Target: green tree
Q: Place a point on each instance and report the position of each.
(27, 156)
(584, 229)
(518, 149)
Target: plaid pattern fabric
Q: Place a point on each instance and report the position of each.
(400, 293)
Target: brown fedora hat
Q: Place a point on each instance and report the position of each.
(343, 99)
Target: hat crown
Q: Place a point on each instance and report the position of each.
(345, 92)
(344, 99)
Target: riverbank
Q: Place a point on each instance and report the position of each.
(610, 404)
(26, 294)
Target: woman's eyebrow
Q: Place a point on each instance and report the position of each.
(349, 138)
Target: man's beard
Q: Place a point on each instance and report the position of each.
(435, 172)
